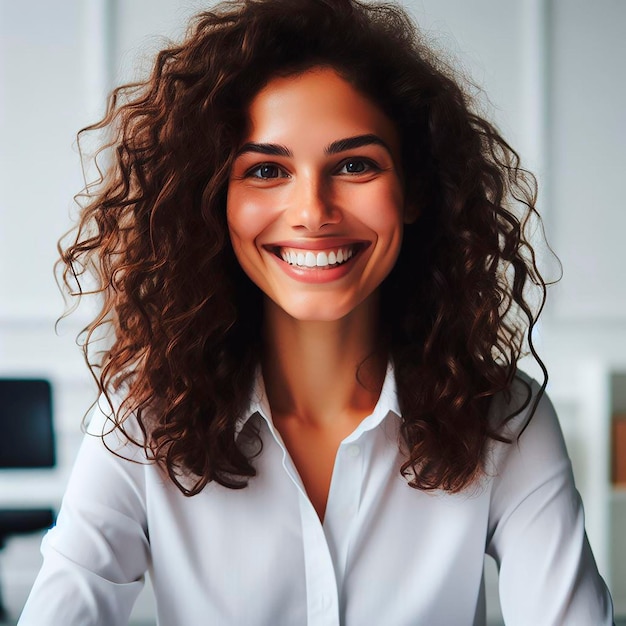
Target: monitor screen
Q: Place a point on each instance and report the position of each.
(26, 429)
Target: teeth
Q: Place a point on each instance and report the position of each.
(319, 259)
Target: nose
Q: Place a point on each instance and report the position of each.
(311, 205)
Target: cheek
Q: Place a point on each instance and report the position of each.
(247, 216)
(381, 209)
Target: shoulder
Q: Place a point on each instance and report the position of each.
(108, 482)
(121, 434)
(535, 455)
(524, 404)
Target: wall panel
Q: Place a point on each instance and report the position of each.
(587, 135)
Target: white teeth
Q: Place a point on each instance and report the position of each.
(322, 259)
(319, 259)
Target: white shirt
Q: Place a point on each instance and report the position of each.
(385, 555)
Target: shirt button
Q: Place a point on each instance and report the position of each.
(354, 451)
(325, 601)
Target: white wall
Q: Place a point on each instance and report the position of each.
(553, 70)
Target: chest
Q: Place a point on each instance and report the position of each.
(378, 543)
(313, 452)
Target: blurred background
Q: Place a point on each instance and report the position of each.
(554, 74)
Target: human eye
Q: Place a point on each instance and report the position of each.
(357, 166)
(266, 171)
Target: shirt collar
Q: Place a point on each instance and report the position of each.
(387, 403)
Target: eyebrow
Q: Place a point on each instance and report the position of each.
(272, 149)
(358, 141)
(341, 145)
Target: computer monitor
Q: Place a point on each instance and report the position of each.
(26, 429)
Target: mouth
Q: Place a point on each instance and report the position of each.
(318, 259)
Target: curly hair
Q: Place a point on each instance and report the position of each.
(184, 319)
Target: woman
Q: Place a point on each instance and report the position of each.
(311, 253)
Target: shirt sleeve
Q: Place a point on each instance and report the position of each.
(96, 556)
(548, 575)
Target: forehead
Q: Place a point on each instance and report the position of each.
(317, 103)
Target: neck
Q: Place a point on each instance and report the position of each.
(310, 368)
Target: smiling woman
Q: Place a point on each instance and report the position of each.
(312, 258)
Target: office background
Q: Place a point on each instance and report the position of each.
(554, 74)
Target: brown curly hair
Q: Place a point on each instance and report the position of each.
(185, 320)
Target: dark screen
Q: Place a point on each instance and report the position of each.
(26, 431)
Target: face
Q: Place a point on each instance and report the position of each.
(315, 197)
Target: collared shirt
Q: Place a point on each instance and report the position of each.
(385, 554)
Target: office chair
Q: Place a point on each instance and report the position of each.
(26, 441)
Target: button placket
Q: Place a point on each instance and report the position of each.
(343, 504)
(321, 583)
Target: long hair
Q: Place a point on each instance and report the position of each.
(184, 320)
